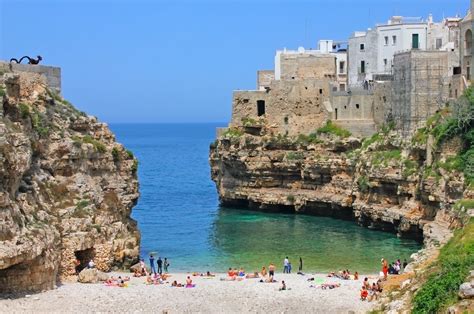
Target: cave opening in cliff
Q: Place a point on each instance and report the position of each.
(83, 257)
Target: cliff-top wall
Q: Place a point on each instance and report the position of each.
(66, 186)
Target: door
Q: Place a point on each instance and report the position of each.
(415, 41)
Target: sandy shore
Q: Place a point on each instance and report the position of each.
(209, 296)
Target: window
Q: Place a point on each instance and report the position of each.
(394, 40)
(362, 67)
(341, 66)
(385, 62)
(362, 47)
(320, 90)
(260, 107)
(342, 87)
(439, 43)
(386, 40)
(357, 106)
(415, 44)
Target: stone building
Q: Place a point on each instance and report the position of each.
(297, 99)
(420, 86)
(294, 98)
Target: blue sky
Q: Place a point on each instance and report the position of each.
(178, 61)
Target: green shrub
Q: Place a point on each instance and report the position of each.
(40, 123)
(134, 166)
(294, 156)
(420, 137)
(115, 154)
(232, 133)
(369, 141)
(409, 167)
(452, 163)
(290, 198)
(331, 128)
(99, 146)
(2, 92)
(249, 122)
(129, 154)
(304, 139)
(383, 157)
(464, 204)
(80, 211)
(387, 127)
(24, 110)
(455, 261)
(363, 184)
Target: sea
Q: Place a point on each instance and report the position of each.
(180, 218)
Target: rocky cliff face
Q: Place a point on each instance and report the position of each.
(384, 182)
(66, 188)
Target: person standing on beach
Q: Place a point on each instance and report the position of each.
(384, 268)
(271, 270)
(152, 264)
(289, 267)
(160, 265)
(300, 268)
(285, 265)
(165, 265)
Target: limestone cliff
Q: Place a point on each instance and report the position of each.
(66, 188)
(384, 182)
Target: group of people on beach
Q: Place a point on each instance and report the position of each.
(394, 268)
(160, 275)
(370, 292)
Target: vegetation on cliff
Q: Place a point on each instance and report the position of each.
(455, 261)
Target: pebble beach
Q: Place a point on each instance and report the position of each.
(210, 295)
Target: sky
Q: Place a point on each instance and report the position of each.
(133, 61)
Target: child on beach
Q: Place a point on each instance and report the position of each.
(363, 293)
(283, 285)
(356, 276)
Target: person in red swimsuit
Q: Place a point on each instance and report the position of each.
(384, 268)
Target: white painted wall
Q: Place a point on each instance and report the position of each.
(403, 33)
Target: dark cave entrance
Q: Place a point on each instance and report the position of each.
(83, 257)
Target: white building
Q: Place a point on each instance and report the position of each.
(371, 53)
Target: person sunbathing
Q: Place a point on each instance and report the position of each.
(366, 283)
(330, 285)
(254, 275)
(176, 284)
(356, 276)
(230, 273)
(241, 272)
(208, 274)
(136, 273)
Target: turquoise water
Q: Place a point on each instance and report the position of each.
(179, 215)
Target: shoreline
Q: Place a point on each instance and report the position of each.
(210, 295)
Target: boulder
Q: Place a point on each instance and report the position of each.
(466, 290)
(91, 276)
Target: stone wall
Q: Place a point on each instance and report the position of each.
(264, 78)
(52, 74)
(420, 86)
(307, 66)
(291, 107)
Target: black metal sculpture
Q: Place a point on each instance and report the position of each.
(30, 60)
